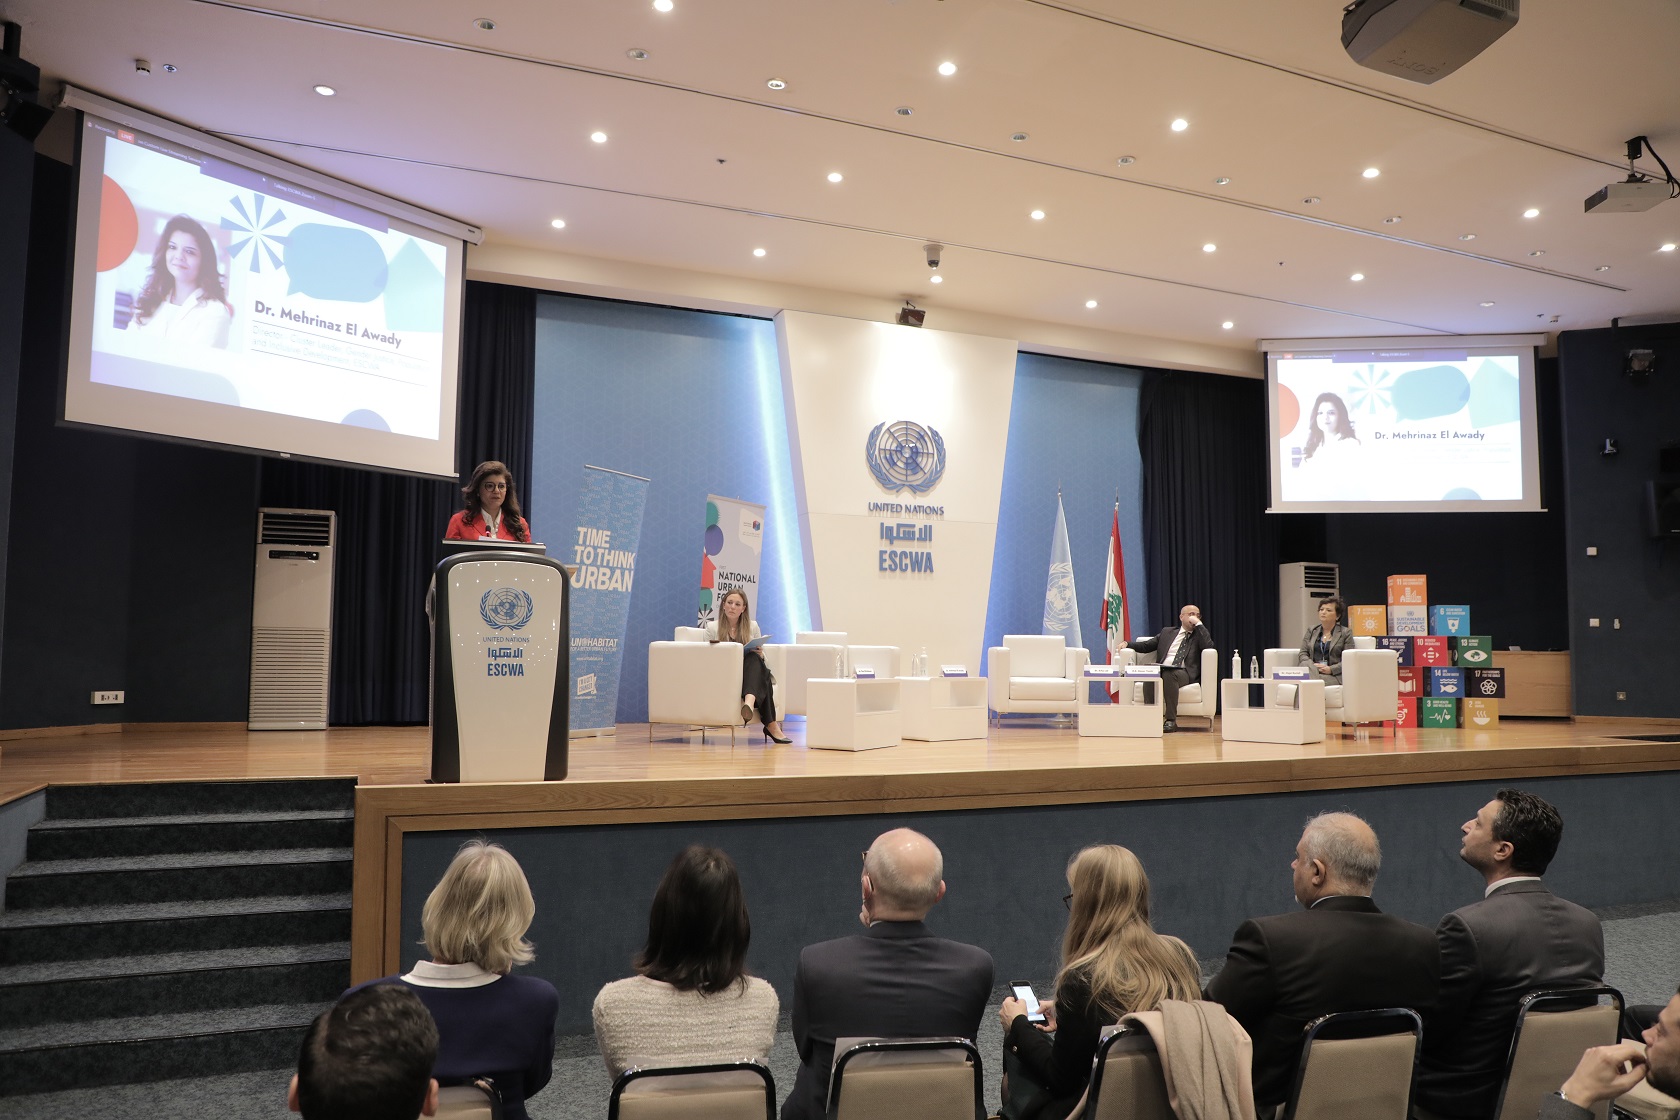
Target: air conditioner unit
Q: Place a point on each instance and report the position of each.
(291, 619)
(1300, 587)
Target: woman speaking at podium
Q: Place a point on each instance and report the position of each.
(492, 508)
(734, 624)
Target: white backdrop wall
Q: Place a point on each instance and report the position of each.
(842, 378)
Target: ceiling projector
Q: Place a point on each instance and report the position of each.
(1423, 40)
(1637, 193)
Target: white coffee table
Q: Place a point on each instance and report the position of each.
(940, 709)
(1301, 722)
(1128, 716)
(845, 714)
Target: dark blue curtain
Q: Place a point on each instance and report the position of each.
(1207, 537)
(389, 525)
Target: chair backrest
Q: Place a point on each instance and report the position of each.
(1126, 1079)
(882, 659)
(925, 1078)
(820, 638)
(718, 1091)
(1036, 655)
(690, 634)
(1357, 1063)
(1364, 641)
(1554, 1027)
(478, 1101)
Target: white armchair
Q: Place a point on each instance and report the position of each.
(1034, 673)
(1199, 699)
(694, 683)
(883, 659)
(811, 654)
(1370, 688)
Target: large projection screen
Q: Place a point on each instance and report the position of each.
(1403, 425)
(225, 297)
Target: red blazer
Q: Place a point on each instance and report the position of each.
(460, 529)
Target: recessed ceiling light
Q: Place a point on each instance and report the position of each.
(1209, 247)
(1090, 305)
(1311, 200)
(1357, 277)
(835, 176)
(776, 83)
(1531, 212)
(598, 137)
(947, 68)
(1371, 172)
(936, 279)
(558, 223)
(1037, 215)
(325, 91)
(1180, 125)
(1226, 325)
(1602, 268)
(663, 5)
(1537, 252)
(636, 54)
(1487, 303)
(758, 252)
(1467, 237)
(485, 24)
(1221, 181)
(1018, 137)
(1393, 220)
(904, 110)
(1666, 247)
(170, 68)
(1126, 161)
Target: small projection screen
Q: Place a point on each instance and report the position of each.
(225, 297)
(1403, 425)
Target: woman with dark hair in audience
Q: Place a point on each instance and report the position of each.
(491, 510)
(491, 1023)
(692, 1000)
(1323, 645)
(1113, 963)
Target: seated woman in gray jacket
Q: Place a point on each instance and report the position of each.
(1321, 648)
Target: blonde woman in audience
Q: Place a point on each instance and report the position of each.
(691, 1000)
(491, 1023)
(1113, 963)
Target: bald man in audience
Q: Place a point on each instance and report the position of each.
(893, 980)
(1606, 1072)
(1340, 953)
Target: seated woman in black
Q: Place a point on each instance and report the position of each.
(734, 624)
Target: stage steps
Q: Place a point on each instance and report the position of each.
(173, 929)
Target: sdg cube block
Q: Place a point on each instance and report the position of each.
(1488, 684)
(1472, 651)
(1449, 619)
(1401, 645)
(1408, 620)
(1408, 591)
(1411, 681)
(1480, 714)
(1446, 681)
(1368, 621)
(1437, 711)
(1427, 652)
(1406, 712)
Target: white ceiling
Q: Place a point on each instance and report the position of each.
(704, 162)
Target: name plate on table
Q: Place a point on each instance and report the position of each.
(1102, 670)
(1298, 673)
(864, 673)
(953, 670)
(1150, 671)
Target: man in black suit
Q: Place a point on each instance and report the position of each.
(1180, 648)
(1518, 938)
(894, 980)
(1339, 954)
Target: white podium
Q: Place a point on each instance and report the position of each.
(1277, 721)
(1128, 717)
(852, 715)
(940, 709)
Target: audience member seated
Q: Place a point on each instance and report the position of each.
(490, 1022)
(1341, 953)
(1606, 1072)
(1519, 937)
(1323, 645)
(691, 1000)
(368, 1057)
(1113, 963)
(894, 980)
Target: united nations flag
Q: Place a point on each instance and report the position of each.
(904, 455)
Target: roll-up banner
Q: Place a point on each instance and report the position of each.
(604, 560)
(734, 544)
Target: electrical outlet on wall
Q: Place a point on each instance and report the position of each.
(108, 696)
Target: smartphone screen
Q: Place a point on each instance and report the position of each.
(1023, 992)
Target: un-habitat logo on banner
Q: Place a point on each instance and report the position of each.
(904, 455)
(506, 608)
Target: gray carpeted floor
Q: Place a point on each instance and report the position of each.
(1642, 947)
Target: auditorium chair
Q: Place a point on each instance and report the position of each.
(718, 1091)
(1554, 1028)
(1199, 699)
(925, 1078)
(694, 682)
(811, 654)
(1356, 1063)
(1127, 1082)
(1370, 688)
(477, 1101)
(1032, 673)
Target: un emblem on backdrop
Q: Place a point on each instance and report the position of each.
(904, 455)
(506, 608)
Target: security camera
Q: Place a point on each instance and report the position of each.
(933, 249)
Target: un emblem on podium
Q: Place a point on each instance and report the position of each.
(904, 455)
(506, 608)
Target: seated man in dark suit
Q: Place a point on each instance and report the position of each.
(1180, 655)
(368, 1057)
(1606, 1072)
(894, 980)
(1339, 954)
(1519, 937)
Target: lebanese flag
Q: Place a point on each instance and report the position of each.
(1117, 620)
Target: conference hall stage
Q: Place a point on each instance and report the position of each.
(1214, 821)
